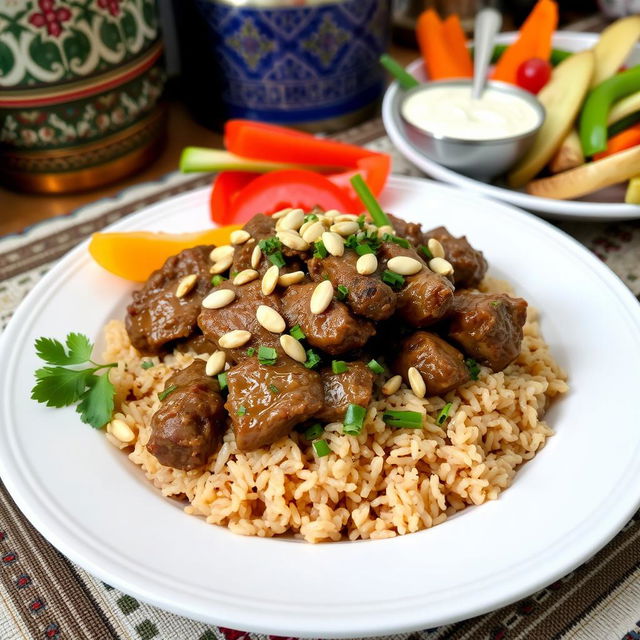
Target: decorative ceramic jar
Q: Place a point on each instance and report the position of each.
(79, 87)
(309, 63)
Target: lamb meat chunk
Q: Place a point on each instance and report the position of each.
(197, 343)
(240, 314)
(354, 386)
(425, 297)
(185, 430)
(412, 231)
(441, 366)
(335, 330)
(469, 264)
(156, 316)
(488, 326)
(266, 402)
(367, 296)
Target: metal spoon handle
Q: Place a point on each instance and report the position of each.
(487, 24)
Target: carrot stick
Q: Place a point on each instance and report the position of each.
(457, 42)
(438, 60)
(534, 41)
(624, 140)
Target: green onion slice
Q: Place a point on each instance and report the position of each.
(444, 412)
(310, 217)
(147, 364)
(362, 249)
(297, 333)
(378, 216)
(241, 410)
(343, 292)
(375, 366)
(251, 351)
(314, 431)
(217, 280)
(321, 448)
(170, 389)
(278, 259)
(474, 368)
(312, 359)
(425, 251)
(354, 420)
(222, 381)
(339, 366)
(403, 419)
(267, 355)
(402, 242)
(319, 250)
(394, 280)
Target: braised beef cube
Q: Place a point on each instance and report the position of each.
(353, 386)
(197, 343)
(367, 296)
(335, 330)
(488, 326)
(259, 227)
(426, 296)
(266, 401)
(156, 316)
(240, 314)
(441, 366)
(469, 264)
(412, 231)
(185, 430)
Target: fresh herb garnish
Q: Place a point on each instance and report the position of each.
(319, 250)
(271, 247)
(168, 391)
(474, 368)
(375, 366)
(297, 333)
(251, 351)
(353, 420)
(312, 432)
(313, 359)
(339, 366)
(342, 292)
(222, 381)
(278, 259)
(267, 355)
(217, 280)
(444, 412)
(242, 410)
(321, 448)
(61, 386)
(403, 419)
(274, 389)
(310, 217)
(363, 249)
(425, 251)
(394, 280)
(389, 237)
(360, 220)
(147, 364)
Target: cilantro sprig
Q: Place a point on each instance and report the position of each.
(62, 384)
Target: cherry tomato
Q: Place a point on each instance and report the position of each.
(533, 74)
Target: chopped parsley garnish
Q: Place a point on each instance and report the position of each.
(339, 366)
(271, 247)
(354, 420)
(147, 364)
(274, 389)
(267, 355)
(168, 391)
(319, 250)
(342, 292)
(222, 381)
(394, 280)
(217, 280)
(363, 242)
(375, 366)
(403, 242)
(313, 359)
(444, 412)
(474, 368)
(424, 250)
(403, 419)
(310, 217)
(360, 220)
(314, 431)
(321, 448)
(242, 410)
(297, 333)
(61, 385)
(278, 259)
(250, 351)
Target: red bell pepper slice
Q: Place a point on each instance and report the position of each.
(226, 185)
(276, 190)
(374, 169)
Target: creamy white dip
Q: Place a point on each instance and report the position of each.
(450, 111)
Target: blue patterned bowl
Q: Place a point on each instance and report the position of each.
(314, 65)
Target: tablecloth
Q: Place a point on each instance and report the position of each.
(44, 595)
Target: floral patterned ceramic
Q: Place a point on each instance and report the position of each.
(313, 65)
(79, 87)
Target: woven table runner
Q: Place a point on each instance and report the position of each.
(44, 595)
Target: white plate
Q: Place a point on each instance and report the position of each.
(97, 508)
(608, 204)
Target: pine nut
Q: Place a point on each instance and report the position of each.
(224, 251)
(346, 217)
(391, 385)
(186, 285)
(291, 278)
(256, 256)
(293, 220)
(293, 348)
(292, 240)
(441, 266)
(367, 264)
(239, 236)
(404, 265)
(385, 228)
(233, 339)
(246, 275)
(312, 232)
(333, 243)
(270, 319)
(436, 248)
(219, 299)
(345, 228)
(215, 363)
(332, 213)
(321, 297)
(280, 214)
(416, 382)
(270, 280)
(120, 430)
(305, 226)
(221, 265)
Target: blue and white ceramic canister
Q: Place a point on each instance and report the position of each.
(310, 63)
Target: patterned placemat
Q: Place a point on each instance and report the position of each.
(44, 595)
